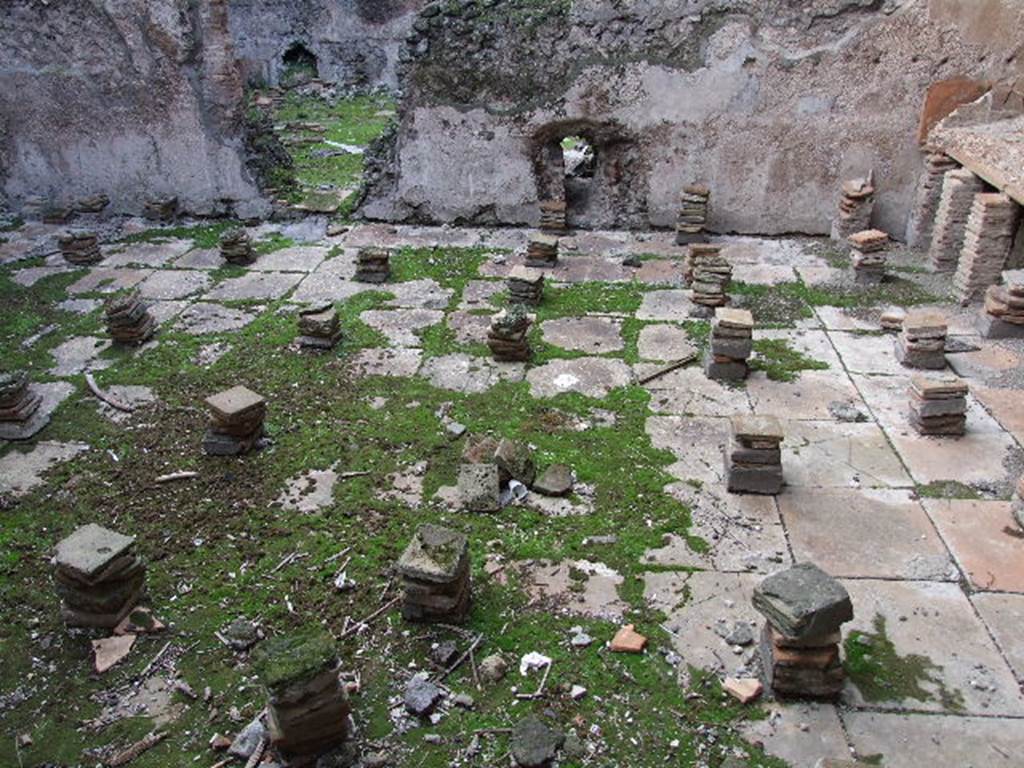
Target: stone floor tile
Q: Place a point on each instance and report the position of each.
(78, 354)
(865, 533)
(299, 258)
(418, 294)
(469, 375)
(763, 274)
(207, 317)
(332, 281)
(106, 280)
(801, 733)
(200, 258)
(868, 353)
(593, 335)
(821, 274)
(1006, 405)
(174, 284)
(255, 286)
(843, 319)
(743, 533)
(402, 327)
(146, 254)
(688, 391)
(991, 361)
(698, 443)
(22, 470)
(469, 329)
(666, 306)
(386, 362)
(834, 455)
(935, 622)
(166, 311)
(814, 344)
(664, 342)
(936, 741)
(984, 539)
(664, 272)
(574, 588)
(31, 275)
(478, 294)
(806, 399)
(1003, 614)
(698, 603)
(591, 376)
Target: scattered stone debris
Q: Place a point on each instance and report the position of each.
(421, 696)
(241, 635)
(525, 286)
(556, 480)
(693, 214)
(855, 208)
(753, 458)
(847, 412)
(493, 668)
(628, 640)
(82, 249)
(373, 265)
(938, 406)
(804, 608)
(542, 251)
(987, 243)
(20, 414)
(480, 487)
(435, 575)
(111, 650)
(710, 277)
(320, 328)
(732, 342)
(129, 321)
(868, 256)
(515, 460)
(506, 337)
(161, 209)
(553, 216)
(922, 342)
(236, 247)
(308, 708)
(745, 689)
(236, 422)
(249, 740)
(98, 577)
(1003, 315)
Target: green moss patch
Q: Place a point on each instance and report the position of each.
(781, 362)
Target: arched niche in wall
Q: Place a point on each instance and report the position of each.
(299, 65)
(597, 168)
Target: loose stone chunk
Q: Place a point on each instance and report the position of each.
(236, 422)
(534, 744)
(308, 710)
(435, 576)
(480, 487)
(753, 457)
(557, 480)
(98, 577)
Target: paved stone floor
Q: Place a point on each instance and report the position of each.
(944, 577)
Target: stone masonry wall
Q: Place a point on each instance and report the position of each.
(771, 103)
(356, 42)
(129, 98)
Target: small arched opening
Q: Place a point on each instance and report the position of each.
(584, 164)
(299, 66)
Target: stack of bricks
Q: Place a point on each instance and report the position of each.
(1003, 316)
(868, 256)
(435, 576)
(128, 319)
(308, 709)
(958, 190)
(693, 215)
(804, 609)
(542, 251)
(929, 193)
(236, 422)
(525, 286)
(553, 216)
(20, 417)
(98, 577)
(922, 342)
(506, 337)
(732, 333)
(161, 209)
(938, 406)
(320, 328)
(987, 244)
(373, 265)
(753, 456)
(711, 276)
(236, 247)
(855, 208)
(81, 249)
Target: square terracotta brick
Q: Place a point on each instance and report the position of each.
(992, 558)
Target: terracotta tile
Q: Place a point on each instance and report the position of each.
(975, 531)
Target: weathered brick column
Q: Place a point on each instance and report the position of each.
(929, 193)
(958, 190)
(987, 244)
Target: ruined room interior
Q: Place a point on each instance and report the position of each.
(512, 383)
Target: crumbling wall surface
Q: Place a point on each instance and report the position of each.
(128, 98)
(772, 103)
(356, 42)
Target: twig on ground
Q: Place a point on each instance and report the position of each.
(540, 689)
(174, 476)
(257, 755)
(359, 625)
(681, 362)
(127, 755)
(462, 658)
